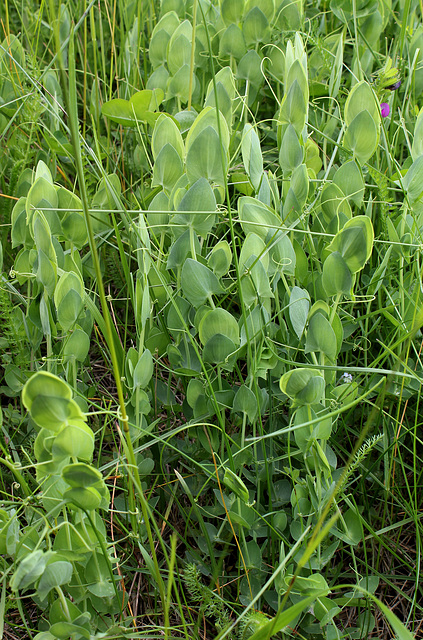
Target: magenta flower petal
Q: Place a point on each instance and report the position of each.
(384, 109)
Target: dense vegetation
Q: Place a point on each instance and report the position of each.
(211, 218)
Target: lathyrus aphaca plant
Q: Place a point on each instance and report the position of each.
(63, 554)
(47, 222)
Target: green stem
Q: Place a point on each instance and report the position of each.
(191, 66)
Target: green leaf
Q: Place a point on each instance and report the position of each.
(235, 484)
(284, 618)
(232, 42)
(303, 386)
(119, 111)
(220, 258)
(299, 304)
(76, 346)
(143, 370)
(204, 158)
(256, 217)
(232, 10)
(350, 180)
(361, 98)
(168, 168)
(218, 321)
(255, 27)
(321, 337)
(251, 155)
(413, 180)
(337, 277)
(165, 132)
(54, 575)
(81, 475)
(198, 200)
(217, 349)
(75, 440)
(354, 242)
(87, 499)
(198, 282)
(29, 570)
(245, 402)
(249, 68)
(291, 154)
(362, 137)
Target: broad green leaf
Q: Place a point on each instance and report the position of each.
(144, 103)
(354, 242)
(256, 217)
(44, 383)
(321, 337)
(266, 6)
(75, 440)
(52, 412)
(303, 386)
(84, 498)
(232, 10)
(119, 111)
(179, 48)
(255, 27)
(178, 85)
(42, 196)
(54, 575)
(217, 349)
(350, 180)
(361, 98)
(218, 321)
(204, 158)
(143, 370)
(251, 155)
(293, 110)
(232, 42)
(181, 249)
(29, 570)
(198, 282)
(76, 346)
(245, 402)
(64, 630)
(205, 119)
(413, 180)
(334, 202)
(198, 201)
(282, 254)
(220, 258)
(166, 132)
(291, 154)
(69, 309)
(349, 528)
(308, 585)
(81, 475)
(337, 277)
(299, 304)
(249, 68)
(20, 229)
(223, 100)
(46, 272)
(168, 168)
(362, 137)
(253, 249)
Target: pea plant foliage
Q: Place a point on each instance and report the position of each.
(211, 231)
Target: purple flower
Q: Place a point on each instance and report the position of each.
(384, 109)
(393, 87)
